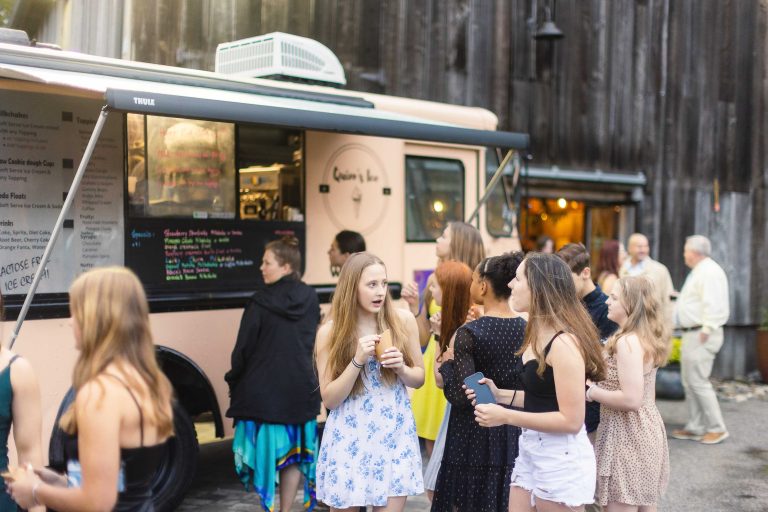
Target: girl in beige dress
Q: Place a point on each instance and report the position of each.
(631, 447)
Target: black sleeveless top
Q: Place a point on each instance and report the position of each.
(540, 395)
(137, 465)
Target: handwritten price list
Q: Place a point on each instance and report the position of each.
(198, 254)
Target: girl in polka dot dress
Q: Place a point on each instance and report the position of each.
(632, 452)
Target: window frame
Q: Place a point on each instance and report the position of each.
(463, 192)
(500, 185)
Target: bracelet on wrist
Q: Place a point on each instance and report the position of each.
(512, 402)
(356, 364)
(589, 393)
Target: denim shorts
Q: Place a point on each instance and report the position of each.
(556, 467)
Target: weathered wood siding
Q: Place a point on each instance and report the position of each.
(676, 88)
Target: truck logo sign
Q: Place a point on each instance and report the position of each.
(146, 102)
(355, 176)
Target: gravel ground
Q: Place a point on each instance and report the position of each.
(729, 477)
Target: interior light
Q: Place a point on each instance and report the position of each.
(562, 203)
(438, 206)
(544, 216)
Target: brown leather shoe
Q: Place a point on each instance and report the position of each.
(714, 437)
(686, 435)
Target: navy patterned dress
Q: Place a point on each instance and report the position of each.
(477, 461)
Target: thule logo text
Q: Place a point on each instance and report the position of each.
(147, 102)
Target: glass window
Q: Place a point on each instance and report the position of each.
(434, 196)
(499, 217)
(186, 168)
(181, 167)
(270, 163)
(560, 219)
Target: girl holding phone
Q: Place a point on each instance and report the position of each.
(555, 468)
(632, 452)
(477, 462)
(370, 452)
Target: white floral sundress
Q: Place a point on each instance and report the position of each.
(370, 449)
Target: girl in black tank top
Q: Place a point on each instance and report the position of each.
(555, 462)
(137, 465)
(110, 321)
(540, 394)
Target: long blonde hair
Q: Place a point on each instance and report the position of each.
(110, 308)
(645, 318)
(466, 244)
(343, 337)
(554, 304)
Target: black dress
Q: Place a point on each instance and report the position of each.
(477, 462)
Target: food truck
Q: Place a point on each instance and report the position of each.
(184, 175)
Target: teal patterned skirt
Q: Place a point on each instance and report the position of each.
(263, 449)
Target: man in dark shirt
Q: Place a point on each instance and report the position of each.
(576, 257)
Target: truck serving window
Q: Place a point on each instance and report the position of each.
(180, 168)
(434, 196)
(270, 163)
(204, 198)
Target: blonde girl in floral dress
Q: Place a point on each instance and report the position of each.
(370, 452)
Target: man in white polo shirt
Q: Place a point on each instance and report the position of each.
(700, 312)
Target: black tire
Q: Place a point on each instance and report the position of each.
(175, 474)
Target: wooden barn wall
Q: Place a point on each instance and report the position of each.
(675, 88)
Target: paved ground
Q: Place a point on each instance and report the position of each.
(729, 477)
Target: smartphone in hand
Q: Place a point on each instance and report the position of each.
(483, 393)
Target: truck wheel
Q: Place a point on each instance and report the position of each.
(175, 474)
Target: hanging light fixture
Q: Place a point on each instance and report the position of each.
(548, 31)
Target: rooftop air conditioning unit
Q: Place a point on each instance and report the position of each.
(283, 56)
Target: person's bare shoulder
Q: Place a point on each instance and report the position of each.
(629, 343)
(99, 392)
(323, 334)
(22, 374)
(405, 315)
(566, 343)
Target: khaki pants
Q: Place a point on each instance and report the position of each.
(696, 366)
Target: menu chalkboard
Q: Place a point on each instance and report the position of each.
(174, 255)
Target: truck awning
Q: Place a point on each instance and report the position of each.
(199, 102)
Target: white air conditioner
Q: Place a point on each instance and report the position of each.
(280, 55)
